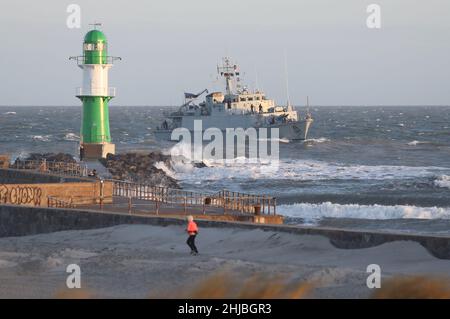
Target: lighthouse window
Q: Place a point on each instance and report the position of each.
(93, 46)
(88, 46)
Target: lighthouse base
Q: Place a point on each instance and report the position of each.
(96, 151)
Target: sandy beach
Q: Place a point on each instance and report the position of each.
(141, 261)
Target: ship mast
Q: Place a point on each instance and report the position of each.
(230, 72)
(287, 82)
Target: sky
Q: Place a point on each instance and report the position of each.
(172, 46)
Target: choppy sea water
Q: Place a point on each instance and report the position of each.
(374, 163)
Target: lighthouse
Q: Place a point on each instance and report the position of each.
(95, 94)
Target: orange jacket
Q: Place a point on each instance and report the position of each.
(192, 228)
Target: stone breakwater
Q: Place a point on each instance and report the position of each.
(140, 168)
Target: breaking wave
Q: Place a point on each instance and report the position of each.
(443, 181)
(314, 212)
(162, 166)
(301, 170)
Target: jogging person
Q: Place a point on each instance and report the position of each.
(192, 230)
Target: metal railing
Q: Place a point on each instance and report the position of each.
(63, 168)
(226, 200)
(81, 59)
(247, 203)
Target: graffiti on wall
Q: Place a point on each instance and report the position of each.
(20, 195)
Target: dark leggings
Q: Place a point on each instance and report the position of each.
(191, 243)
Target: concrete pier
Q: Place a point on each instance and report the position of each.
(35, 185)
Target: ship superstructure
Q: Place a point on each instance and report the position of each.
(236, 107)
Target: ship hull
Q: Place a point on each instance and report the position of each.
(293, 131)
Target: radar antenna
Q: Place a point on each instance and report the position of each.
(231, 74)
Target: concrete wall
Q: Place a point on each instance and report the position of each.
(21, 220)
(37, 194)
(17, 176)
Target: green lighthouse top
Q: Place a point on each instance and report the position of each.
(95, 47)
(95, 36)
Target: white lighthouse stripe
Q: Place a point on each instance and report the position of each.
(95, 79)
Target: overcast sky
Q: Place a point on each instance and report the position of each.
(173, 46)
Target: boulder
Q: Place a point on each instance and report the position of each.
(140, 168)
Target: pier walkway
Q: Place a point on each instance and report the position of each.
(138, 198)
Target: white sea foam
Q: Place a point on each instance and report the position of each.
(313, 212)
(71, 137)
(41, 138)
(162, 166)
(10, 113)
(301, 170)
(415, 143)
(317, 140)
(20, 155)
(442, 181)
(281, 140)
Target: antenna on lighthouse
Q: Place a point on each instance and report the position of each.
(95, 25)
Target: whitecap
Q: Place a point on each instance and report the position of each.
(71, 137)
(281, 140)
(298, 170)
(41, 138)
(318, 140)
(442, 181)
(414, 143)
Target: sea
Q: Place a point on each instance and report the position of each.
(361, 167)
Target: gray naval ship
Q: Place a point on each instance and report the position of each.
(237, 107)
